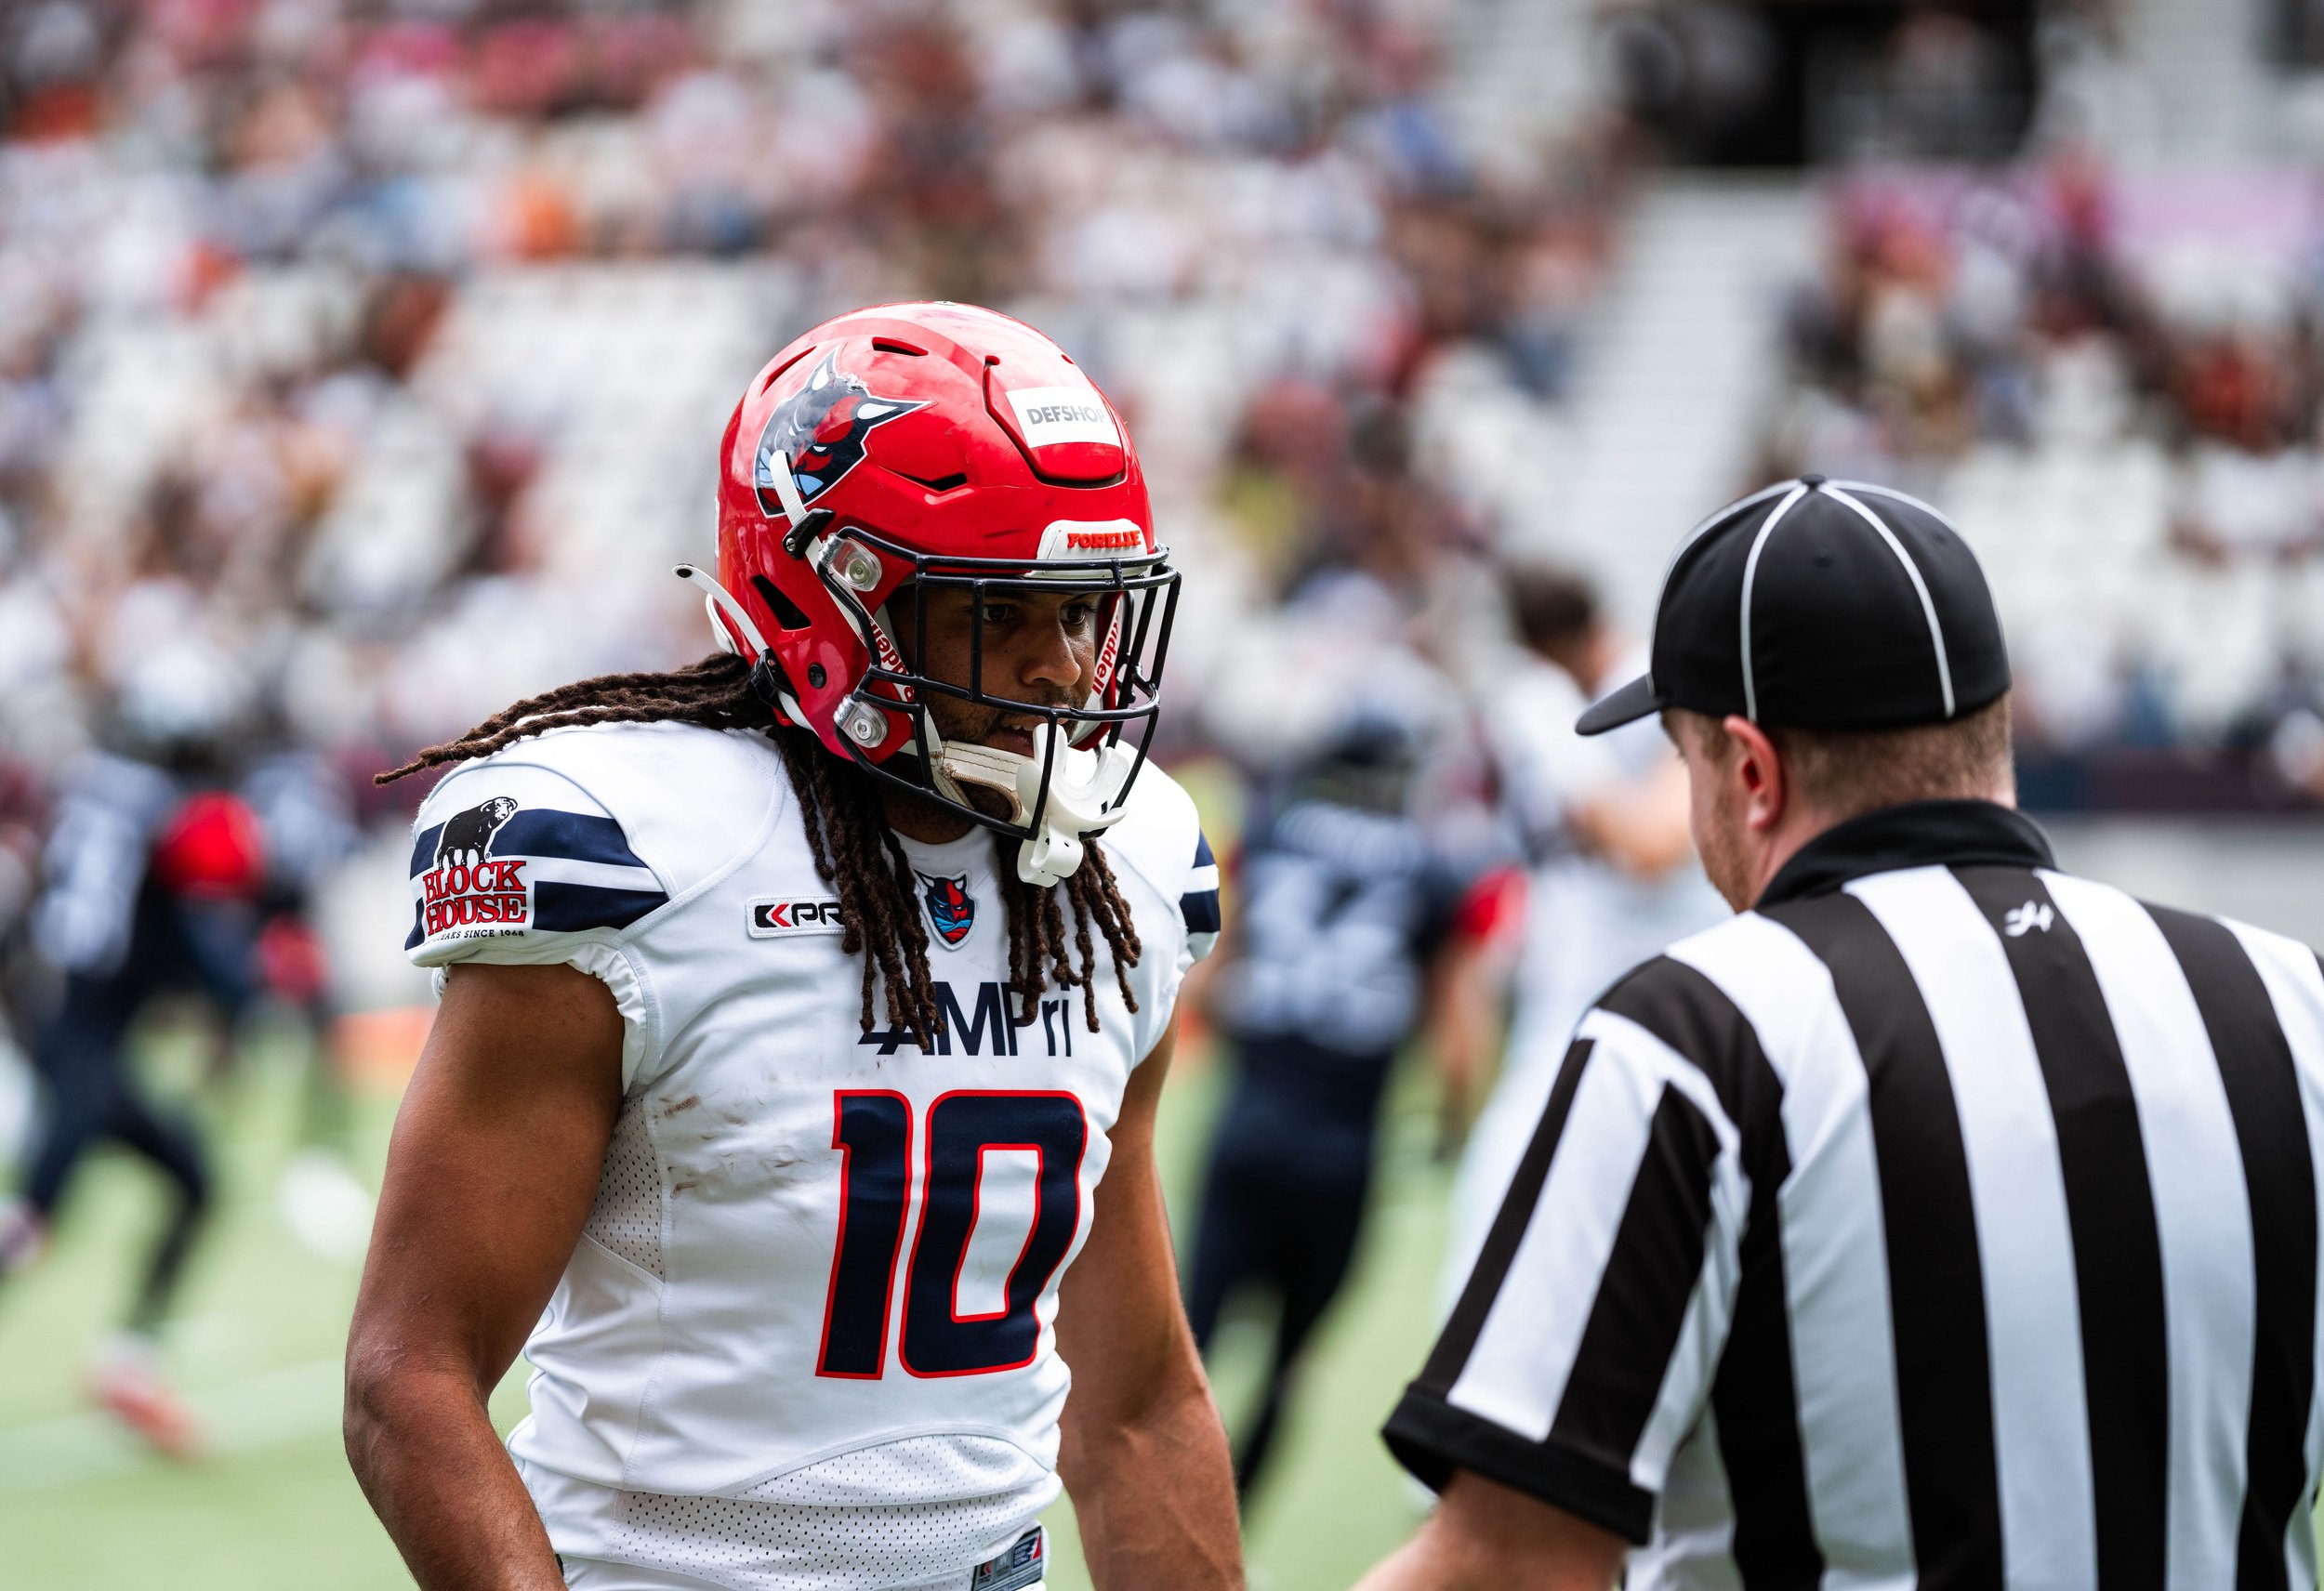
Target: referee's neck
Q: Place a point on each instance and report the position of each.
(1804, 825)
(1756, 801)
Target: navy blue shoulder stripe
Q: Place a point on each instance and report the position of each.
(424, 849)
(1200, 907)
(569, 908)
(540, 831)
(544, 831)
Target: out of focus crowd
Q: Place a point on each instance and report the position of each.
(362, 364)
(357, 361)
(2116, 385)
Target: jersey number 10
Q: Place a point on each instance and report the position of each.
(872, 1131)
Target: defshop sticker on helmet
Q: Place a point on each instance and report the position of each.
(1050, 415)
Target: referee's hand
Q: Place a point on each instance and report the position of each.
(1484, 1536)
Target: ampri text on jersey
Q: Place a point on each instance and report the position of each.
(993, 1022)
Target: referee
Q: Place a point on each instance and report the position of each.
(1940, 1220)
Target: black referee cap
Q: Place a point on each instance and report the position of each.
(1820, 604)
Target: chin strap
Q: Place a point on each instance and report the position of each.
(719, 602)
(1083, 787)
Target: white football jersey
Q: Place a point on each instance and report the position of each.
(807, 1340)
(1587, 923)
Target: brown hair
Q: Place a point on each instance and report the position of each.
(1551, 607)
(848, 833)
(1846, 771)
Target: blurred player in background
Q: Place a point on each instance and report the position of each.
(151, 880)
(1611, 870)
(808, 1310)
(24, 823)
(1347, 906)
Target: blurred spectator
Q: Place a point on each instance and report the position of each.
(276, 381)
(2114, 383)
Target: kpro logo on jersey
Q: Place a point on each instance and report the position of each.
(781, 917)
(951, 911)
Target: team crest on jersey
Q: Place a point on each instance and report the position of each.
(821, 430)
(951, 910)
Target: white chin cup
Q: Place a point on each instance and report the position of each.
(1083, 786)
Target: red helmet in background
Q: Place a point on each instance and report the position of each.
(941, 446)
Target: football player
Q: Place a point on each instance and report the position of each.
(804, 1015)
(1351, 907)
(148, 898)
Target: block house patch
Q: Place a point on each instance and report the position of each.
(500, 869)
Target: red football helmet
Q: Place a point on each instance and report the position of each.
(941, 446)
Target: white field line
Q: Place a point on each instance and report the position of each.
(236, 1416)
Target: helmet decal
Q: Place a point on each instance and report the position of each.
(821, 430)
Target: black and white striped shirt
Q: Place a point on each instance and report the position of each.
(1943, 1222)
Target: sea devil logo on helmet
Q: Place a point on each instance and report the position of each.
(821, 430)
(951, 910)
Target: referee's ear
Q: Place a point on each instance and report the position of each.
(1760, 783)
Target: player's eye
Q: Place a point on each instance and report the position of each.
(996, 613)
(1077, 617)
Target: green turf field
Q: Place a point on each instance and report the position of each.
(84, 1508)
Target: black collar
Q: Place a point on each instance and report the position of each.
(1919, 834)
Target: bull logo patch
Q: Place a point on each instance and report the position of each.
(821, 430)
(467, 835)
(466, 895)
(951, 910)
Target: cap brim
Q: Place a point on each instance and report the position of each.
(1632, 702)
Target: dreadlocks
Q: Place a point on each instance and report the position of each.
(856, 851)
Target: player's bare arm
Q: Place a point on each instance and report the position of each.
(490, 1174)
(1484, 1536)
(1144, 1458)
